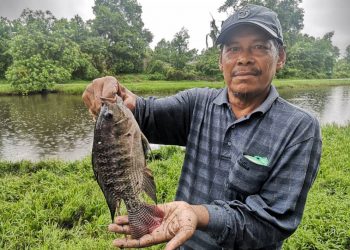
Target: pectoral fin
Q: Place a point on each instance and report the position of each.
(149, 185)
(145, 144)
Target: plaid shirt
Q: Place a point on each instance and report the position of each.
(251, 205)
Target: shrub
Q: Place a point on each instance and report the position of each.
(35, 74)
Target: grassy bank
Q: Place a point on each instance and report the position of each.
(58, 205)
(141, 86)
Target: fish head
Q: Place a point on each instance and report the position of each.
(113, 111)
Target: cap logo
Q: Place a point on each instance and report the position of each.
(244, 12)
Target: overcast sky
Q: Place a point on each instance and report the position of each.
(166, 17)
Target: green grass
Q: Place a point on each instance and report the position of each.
(58, 205)
(326, 222)
(141, 86)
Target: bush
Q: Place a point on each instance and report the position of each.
(208, 63)
(35, 74)
(175, 74)
(156, 77)
(157, 66)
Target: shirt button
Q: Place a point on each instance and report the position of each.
(229, 143)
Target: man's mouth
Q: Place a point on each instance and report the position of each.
(253, 72)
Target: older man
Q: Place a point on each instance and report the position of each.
(251, 157)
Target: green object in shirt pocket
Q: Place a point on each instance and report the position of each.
(259, 160)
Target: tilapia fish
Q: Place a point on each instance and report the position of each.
(119, 164)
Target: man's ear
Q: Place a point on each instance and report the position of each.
(281, 59)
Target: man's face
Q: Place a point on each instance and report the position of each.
(249, 61)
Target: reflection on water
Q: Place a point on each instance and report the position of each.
(59, 126)
(48, 126)
(329, 105)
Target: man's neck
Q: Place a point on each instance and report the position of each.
(244, 104)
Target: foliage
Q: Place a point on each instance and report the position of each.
(347, 54)
(172, 59)
(5, 35)
(38, 50)
(311, 58)
(342, 69)
(180, 54)
(35, 74)
(208, 63)
(43, 55)
(120, 23)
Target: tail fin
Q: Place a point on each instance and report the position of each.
(144, 220)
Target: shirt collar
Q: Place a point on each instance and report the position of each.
(222, 98)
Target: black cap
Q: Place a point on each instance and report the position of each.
(257, 15)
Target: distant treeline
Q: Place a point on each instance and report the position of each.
(38, 50)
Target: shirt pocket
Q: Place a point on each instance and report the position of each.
(247, 177)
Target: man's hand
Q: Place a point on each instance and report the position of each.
(179, 224)
(106, 87)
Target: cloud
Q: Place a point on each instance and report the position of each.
(322, 16)
(12, 9)
(166, 17)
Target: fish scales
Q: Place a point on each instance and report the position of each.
(119, 164)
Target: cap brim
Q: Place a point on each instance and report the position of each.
(223, 35)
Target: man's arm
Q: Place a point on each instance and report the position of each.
(166, 120)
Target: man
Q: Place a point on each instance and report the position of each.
(251, 157)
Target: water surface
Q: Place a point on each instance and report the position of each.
(59, 126)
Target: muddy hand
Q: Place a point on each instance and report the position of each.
(106, 87)
(179, 224)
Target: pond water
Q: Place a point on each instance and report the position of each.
(59, 126)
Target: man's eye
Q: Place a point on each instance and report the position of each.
(260, 47)
(234, 49)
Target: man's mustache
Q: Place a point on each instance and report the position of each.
(253, 71)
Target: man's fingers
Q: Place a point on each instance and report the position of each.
(110, 87)
(122, 220)
(88, 95)
(120, 229)
(180, 238)
(144, 241)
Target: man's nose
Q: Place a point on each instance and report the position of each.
(245, 57)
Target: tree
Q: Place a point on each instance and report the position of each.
(120, 23)
(180, 54)
(213, 34)
(311, 57)
(5, 36)
(342, 66)
(173, 58)
(208, 63)
(347, 54)
(43, 55)
(342, 69)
